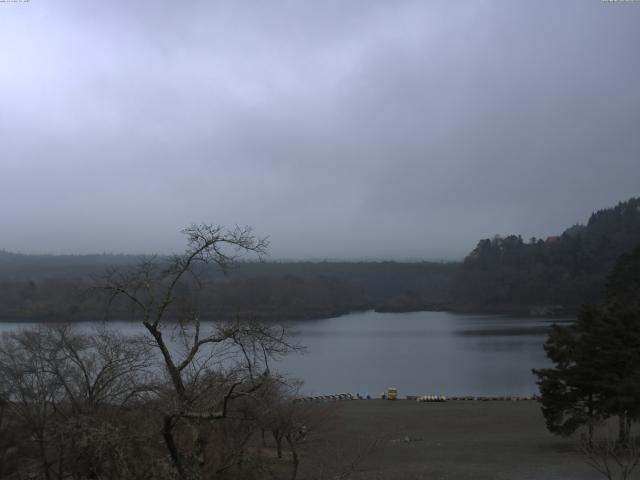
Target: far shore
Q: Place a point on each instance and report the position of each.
(524, 311)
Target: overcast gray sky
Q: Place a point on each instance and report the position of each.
(341, 129)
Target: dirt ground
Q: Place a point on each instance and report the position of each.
(381, 439)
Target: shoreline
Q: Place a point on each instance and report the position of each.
(525, 312)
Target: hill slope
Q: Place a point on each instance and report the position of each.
(569, 270)
(500, 274)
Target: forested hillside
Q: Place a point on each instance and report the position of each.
(59, 287)
(552, 275)
(568, 270)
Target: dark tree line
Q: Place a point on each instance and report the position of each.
(500, 274)
(568, 270)
(265, 290)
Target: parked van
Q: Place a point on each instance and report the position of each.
(392, 393)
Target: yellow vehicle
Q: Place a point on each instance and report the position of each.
(392, 393)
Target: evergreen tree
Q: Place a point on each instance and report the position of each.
(569, 392)
(569, 269)
(596, 371)
(623, 284)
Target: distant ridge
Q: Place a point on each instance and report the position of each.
(551, 276)
(566, 271)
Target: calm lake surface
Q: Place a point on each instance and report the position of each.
(418, 353)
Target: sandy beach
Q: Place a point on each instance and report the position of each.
(450, 440)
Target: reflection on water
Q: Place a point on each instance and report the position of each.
(419, 353)
(508, 332)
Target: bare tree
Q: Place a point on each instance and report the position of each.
(99, 404)
(96, 368)
(59, 386)
(613, 459)
(32, 392)
(208, 367)
(9, 434)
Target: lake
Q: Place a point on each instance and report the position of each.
(437, 353)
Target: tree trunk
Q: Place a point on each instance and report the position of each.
(167, 433)
(278, 438)
(43, 457)
(623, 432)
(198, 445)
(591, 420)
(294, 457)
